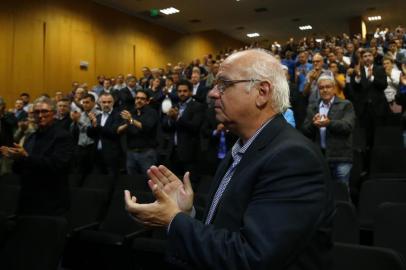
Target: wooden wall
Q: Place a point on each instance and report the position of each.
(43, 41)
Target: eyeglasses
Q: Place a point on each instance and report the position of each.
(326, 87)
(222, 85)
(38, 112)
(140, 98)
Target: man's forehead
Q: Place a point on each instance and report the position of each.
(42, 105)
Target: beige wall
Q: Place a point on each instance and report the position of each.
(43, 41)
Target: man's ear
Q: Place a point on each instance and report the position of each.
(264, 94)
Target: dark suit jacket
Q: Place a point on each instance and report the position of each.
(188, 129)
(108, 135)
(275, 213)
(201, 93)
(8, 124)
(126, 99)
(367, 92)
(338, 133)
(22, 116)
(44, 173)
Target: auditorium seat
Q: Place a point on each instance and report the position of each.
(36, 243)
(357, 257)
(388, 136)
(341, 192)
(346, 227)
(390, 227)
(389, 162)
(358, 174)
(106, 245)
(99, 181)
(134, 182)
(375, 192)
(10, 179)
(9, 196)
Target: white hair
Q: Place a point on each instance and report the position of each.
(267, 68)
(326, 77)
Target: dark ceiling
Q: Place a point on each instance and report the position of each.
(274, 20)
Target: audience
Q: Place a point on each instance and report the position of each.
(124, 126)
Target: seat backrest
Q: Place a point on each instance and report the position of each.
(87, 206)
(99, 181)
(390, 227)
(375, 192)
(388, 162)
(346, 227)
(357, 257)
(36, 243)
(117, 220)
(388, 136)
(341, 192)
(9, 197)
(132, 182)
(10, 179)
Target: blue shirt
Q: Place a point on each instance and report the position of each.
(301, 79)
(288, 115)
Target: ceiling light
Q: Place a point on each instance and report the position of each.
(251, 35)
(169, 11)
(375, 18)
(319, 40)
(305, 27)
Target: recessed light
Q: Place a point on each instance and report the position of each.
(375, 18)
(251, 35)
(305, 27)
(169, 11)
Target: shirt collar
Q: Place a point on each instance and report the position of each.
(323, 105)
(186, 102)
(240, 149)
(107, 113)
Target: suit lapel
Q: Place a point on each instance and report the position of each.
(264, 138)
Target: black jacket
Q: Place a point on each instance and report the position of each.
(367, 93)
(276, 212)
(108, 135)
(188, 130)
(44, 173)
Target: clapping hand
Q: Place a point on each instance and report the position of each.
(172, 197)
(93, 119)
(15, 152)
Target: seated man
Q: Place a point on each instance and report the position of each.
(271, 201)
(329, 123)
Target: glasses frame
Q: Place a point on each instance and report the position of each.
(38, 112)
(227, 83)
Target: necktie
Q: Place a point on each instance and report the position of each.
(222, 187)
(222, 150)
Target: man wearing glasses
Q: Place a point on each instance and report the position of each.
(271, 203)
(141, 127)
(310, 90)
(43, 164)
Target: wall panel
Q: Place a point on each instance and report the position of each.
(43, 41)
(28, 56)
(6, 51)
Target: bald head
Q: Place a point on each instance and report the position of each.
(258, 64)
